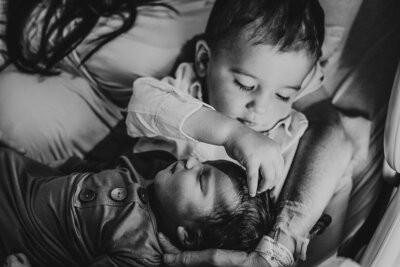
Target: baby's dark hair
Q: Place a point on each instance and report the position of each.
(240, 227)
(288, 25)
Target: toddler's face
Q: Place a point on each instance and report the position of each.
(188, 190)
(255, 84)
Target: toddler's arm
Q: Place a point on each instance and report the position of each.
(157, 109)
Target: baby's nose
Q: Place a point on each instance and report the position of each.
(191, 162)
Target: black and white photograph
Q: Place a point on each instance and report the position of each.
(199, 133)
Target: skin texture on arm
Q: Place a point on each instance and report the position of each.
(321, 160)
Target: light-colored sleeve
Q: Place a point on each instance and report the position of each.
(156, 108)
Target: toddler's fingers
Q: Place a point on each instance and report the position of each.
(252, 178)
(269, 174)
(266, 184)
(262, 184)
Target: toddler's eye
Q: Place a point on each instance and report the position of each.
(244, 87)
(286, 94)
(283, 98)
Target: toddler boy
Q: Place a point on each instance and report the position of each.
(111, 218)
(252, 63)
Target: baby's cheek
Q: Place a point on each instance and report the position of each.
(199, 207)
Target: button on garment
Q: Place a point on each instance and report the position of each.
(87, 195)
(119, 194)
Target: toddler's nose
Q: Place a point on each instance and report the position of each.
(259, 104)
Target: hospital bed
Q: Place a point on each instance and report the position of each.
(383, 249)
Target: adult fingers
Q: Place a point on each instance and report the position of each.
(186, 258)
(211, 257)
(166, 245)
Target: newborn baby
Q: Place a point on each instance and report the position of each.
(112, 217)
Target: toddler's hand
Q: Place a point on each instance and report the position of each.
(259, 154)
(17, 260)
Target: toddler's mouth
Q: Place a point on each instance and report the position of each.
(246, 122)
(253, 125)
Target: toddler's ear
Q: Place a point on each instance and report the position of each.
(189, 239)
(202, 58)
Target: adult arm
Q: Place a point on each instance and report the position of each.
(321, 160)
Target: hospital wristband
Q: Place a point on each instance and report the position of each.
(291, 210)
(300, 243)
(277, 255)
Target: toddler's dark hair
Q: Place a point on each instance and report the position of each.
(288, 25)
(241, 227)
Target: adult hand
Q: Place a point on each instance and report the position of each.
(7, 142)
(259, 154)
(212, 257)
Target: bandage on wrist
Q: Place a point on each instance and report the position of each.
(277, 255)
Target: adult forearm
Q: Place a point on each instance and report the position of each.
(320, 162)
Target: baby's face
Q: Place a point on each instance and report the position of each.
(185, 192)
(255, 84)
